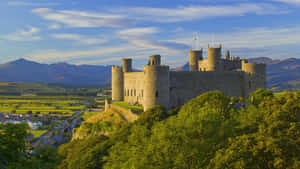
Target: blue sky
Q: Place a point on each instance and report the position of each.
(101, 32)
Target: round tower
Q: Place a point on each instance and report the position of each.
(214, 55)
(194, 57)
(127, 65)
(154, 60)
(227, 55)
(254, 68)
(156, 86)
(117, 84)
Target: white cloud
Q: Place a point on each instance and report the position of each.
(295, 2)
(84, 19)
(141, 37)
(66, 36)
(138, 32)
(25, 35)
(110, 59)
(58, 56)
(190, 13)
(251, 38)
(81, 39)
(54, 26)
(129, 16)
(22, 3)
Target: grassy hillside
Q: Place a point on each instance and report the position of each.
(284, 74)
(41, 89)
(101, 123)
(207, 132)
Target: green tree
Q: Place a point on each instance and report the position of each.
(269, 136)
(207, 132)
(187, 140)
(84, 154)
(12, 143)
(259, 95)
(15, 150)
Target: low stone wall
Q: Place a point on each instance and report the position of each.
(125, 113)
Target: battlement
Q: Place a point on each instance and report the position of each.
(157, 85)
(127, 65)
(154, 60)
(114, 67)
(194, 57)
(254, 68)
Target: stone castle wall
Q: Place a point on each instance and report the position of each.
(157, 85)
(134, 87)
(151, 90)
(187, 85)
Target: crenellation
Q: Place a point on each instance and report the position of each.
(127, 65)
(158, 85)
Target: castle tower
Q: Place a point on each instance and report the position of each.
(255, 76)
(194, 57)
(254, 68)
(214, 55)
(117, 83)
(156, 85)
(154, 60)
(127, 65)
(227, 55)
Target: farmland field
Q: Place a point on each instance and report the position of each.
(55, 105)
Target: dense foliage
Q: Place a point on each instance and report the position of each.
(15, 151)
(207, 132)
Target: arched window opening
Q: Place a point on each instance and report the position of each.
(156, 94)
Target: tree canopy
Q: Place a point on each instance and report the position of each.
(207, 132)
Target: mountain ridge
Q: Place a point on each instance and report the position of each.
(281, 74)
(23, 70)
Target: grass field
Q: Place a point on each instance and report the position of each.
(61, 105)
(37, 133)
(127, 106)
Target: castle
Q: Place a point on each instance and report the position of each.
(158, 85)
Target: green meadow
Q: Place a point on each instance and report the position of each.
(55, 105)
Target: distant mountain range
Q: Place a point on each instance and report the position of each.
(281, 74)
(27, 71)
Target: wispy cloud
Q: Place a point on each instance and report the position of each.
(54, 26)
(190, 13)
(110, 59)
(141, 37)
(29, 34)
(79, 38)
(138, 32)
(251, 38)
(129, 16)
(58, 56)
(22, 3)
(84, 19)
(294, 2)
